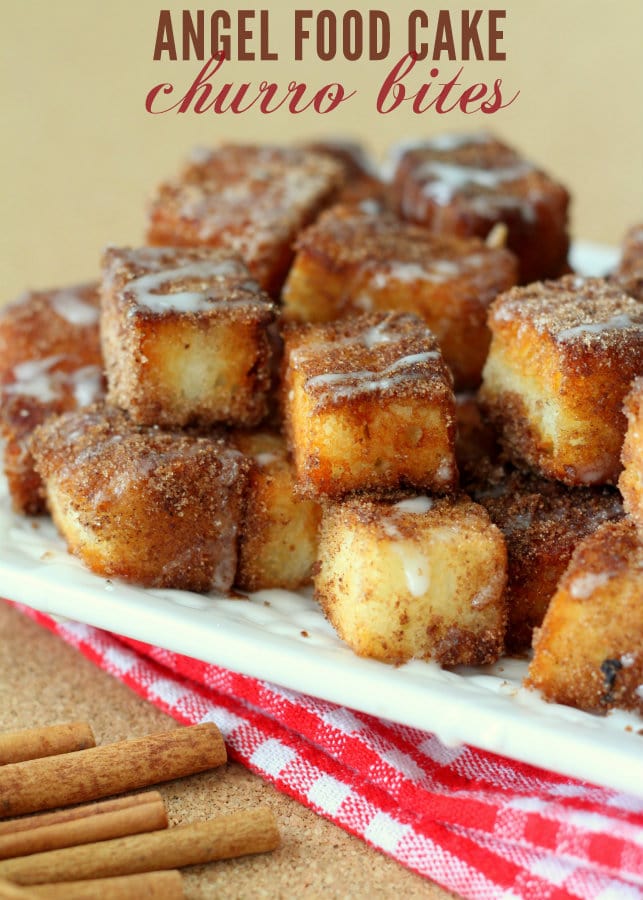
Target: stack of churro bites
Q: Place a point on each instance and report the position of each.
(313, 376)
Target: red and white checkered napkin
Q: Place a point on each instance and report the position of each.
(478, 824)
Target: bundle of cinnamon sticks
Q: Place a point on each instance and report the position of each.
(118, 848)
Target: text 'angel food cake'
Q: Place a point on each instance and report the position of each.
(278, 407)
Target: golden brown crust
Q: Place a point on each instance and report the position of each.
(50, 362)
(351, 260)
(185, 336)
(542, 522)
(249, 200)
(152, 507)
(369, 406)
(561, 360)
(589, 651)
(465, 185)
(413, 577)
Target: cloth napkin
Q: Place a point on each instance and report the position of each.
(478, 824)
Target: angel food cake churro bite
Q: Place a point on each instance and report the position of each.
(466, 184)
(413, 578)
(158, 508)
(50, 362)
(589, 651)
(561, 361)
(542, 522)
(369, 405)
(351, 261)
(249, 200)
(279, 531)
(185, 337)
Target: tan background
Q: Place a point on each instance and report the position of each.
(80, 154)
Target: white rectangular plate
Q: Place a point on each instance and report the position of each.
(283, 637)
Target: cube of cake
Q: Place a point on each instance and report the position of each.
(351, 261)
(629, 272)
(561, 360)
(279, 533)
(631, 481)
(413, 578)
(185, 337)
(152, 507)
(248, 200)
(369, 406)
(466, 184)
(50, 362)
(589, 651)
(542, 522)
(362, 186)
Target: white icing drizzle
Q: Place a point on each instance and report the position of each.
(344, 384)
(87, 385)
(144, 289)
(583, 586)
(34, 378)
(377, 334)
(265, 459)
(451, 178)
(418, 505)
(614, 323)
(69, 305)
(416, 568)
(488, 592)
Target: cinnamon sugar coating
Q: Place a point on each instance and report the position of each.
(413, 577)
(542, 522)
(185, 337)
(351, 261)
(279, 532)
(249, 200)
(629, 272)
(589, 651)
(50, 362)
(561, 360)
(157, 508)
(631, 481)
(464, 185)
(369, 406)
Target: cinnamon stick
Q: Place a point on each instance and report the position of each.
(40, 784)
(100, 825)
(151, 885)
(50, 740)
(250, 831)
(40, 820)
(9, 891)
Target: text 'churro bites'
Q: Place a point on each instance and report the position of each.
(542, 522)
(561, 360)
(185, 337)
(50, 362)
(152, 507)
(279, 532)
(248, 200)
(629, 272)
(589, 651)
(466, 184)
(369, 406)
(413, 578)
(631, 481)
(350, 262)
